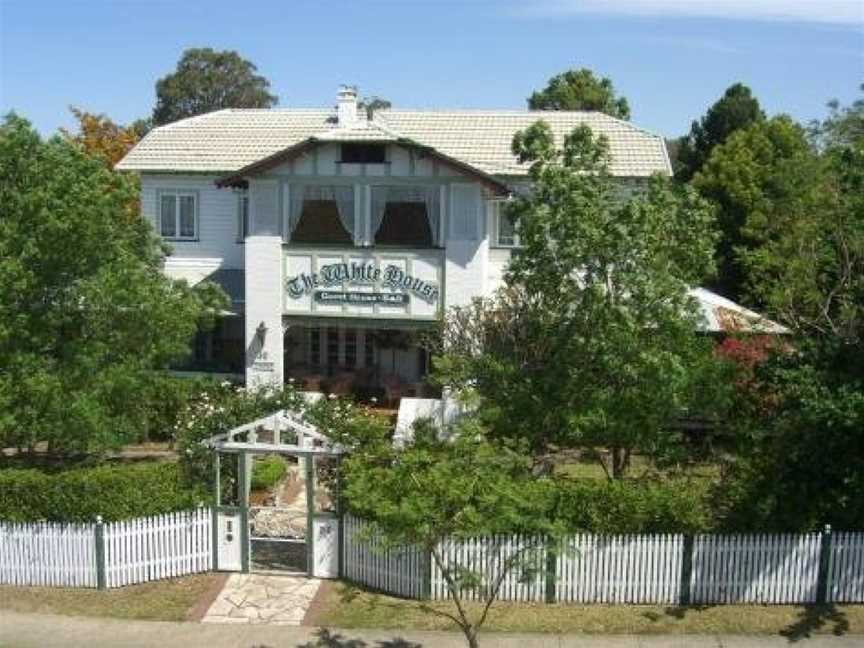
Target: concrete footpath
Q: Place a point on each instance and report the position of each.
(47, 631)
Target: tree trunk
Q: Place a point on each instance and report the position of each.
(471, 637)
(620, 462)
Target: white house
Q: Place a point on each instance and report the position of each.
(339, 236)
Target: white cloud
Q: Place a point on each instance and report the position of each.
(847, 12)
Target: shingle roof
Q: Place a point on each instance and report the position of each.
(228, 140)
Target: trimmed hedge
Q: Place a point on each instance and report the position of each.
(115, 492)
(632, 506)
(267, 471)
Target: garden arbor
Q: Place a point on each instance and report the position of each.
(315, 534)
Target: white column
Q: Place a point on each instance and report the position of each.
(264, 341)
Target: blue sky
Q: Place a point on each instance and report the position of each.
(670, 58)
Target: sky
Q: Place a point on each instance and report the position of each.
(670, 58)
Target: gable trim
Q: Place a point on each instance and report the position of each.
(239, 178)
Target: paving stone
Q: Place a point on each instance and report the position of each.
(260, 599)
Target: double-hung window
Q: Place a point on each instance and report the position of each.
(178, 215)
(505, 234)
(242, 215)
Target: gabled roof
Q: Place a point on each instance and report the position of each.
(225, 141)
(726, 316)
(363, 133)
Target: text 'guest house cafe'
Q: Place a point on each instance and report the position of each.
(341, 236)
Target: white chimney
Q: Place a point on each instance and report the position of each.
(346, 107)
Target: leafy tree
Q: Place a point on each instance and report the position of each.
(802, 418)
(579, 89)
(736, 109)
(206, 80)
(594, 343)
(844, 126)
(431, 489)
(802, 437)
(86, 315)
(762, 178)
(98, 135)
(373, 104)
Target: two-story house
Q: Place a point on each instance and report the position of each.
(340, 236)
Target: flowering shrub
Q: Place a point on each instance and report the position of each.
(218, 409)
(223, 407)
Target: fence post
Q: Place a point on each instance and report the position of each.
(551, 575)
(214, 536)
(824, 566)
(101, 567)
(685, 596)
(427, 575)
(310, 514)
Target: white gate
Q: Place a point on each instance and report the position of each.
(325, 544)
(229, 543)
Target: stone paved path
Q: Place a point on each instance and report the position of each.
(263, 599)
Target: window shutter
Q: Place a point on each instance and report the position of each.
(265, 207)
(465, 203)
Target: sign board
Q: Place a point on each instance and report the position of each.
(363, 283)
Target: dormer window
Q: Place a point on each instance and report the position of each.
(364, 153)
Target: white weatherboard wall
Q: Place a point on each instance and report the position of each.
(217, 245)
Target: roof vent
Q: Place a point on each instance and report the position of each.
(346, 106)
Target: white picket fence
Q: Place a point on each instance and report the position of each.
(755, 568)
(398, 570)
(47, 553)
(489, 556)
(640, 569)
(846, 573)
(162, 546)
(132, 551)
(637, 569)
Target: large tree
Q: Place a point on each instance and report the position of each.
(98, 135)
(802, 418)
(736, 109)
(580, 89)
(207, 80)
(762, 178)
(594, 343)
(86, 316)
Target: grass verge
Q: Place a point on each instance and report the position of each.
(168, 600)
(345, 606)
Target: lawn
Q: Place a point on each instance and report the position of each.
(344, 606)
(167, 600)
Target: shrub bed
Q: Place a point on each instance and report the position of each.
(115, 492)
(267, 471)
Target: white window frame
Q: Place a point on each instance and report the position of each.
(242, 223)
(497, 215)
(178, 193)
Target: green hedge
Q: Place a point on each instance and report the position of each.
(267, 471)
(115, 492)
(632, 506)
